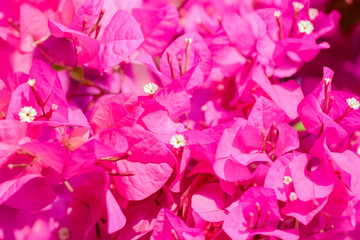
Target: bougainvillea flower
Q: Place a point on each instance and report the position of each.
(182, 54)
(334, 112)
(255, 213)
(88, 47)
(121, 37)
(179, 120)
(168, 226)
(43, 92)
(158, 27)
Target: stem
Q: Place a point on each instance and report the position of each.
(67, 184)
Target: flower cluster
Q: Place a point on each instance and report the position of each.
(184, 120)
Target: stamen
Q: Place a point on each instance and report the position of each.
(68, 186)
(122, 174)
(315, 203)
(31, 82)
(268, 213)
(85, 21)
(49, 114)
(110, 159)
(203, 26)
(175, 235)
(251, 220)
(188, 42)
(188, 127)
(102, 12)
(297, 6)
(13, 24)
(170, 65)
(263, 140)
(327, 82)
(321, 231)
(179, 57)
(277, 15)
(203, 108)
(331, 102)
(12, 166)
(98, 27)
(352, 104)
(273, 138)
(41, 40)
(271, 131)
(258, 208)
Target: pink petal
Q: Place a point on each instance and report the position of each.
(120, 39)
(209, 202)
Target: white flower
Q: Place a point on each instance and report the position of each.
(305, 27)
(358, 150)
(27, 114)
(277, 14)
(313, 13)
(31, 82)
(292, 196)
(297, 6)
(178, 140)
(287, 180)
(150, 88)
(54, 106)
(353, 103)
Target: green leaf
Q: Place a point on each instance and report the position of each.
(299, 127)
(77, 73)
(57, 67)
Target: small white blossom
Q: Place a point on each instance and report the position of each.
(313, 13)
(292, 196)
(31, 82)
(54, 106)
(297, 6)
(178, 140)
(277, 14)
(353, 103)
(150, 88)
(305, 27)
(287, 180)
(358, 150)
(27, 114)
